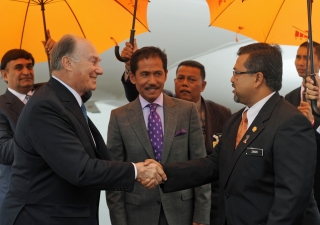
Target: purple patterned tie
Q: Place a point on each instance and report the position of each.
(155, 131)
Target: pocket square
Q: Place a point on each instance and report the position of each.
(180, 132)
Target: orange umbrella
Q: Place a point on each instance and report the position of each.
(272, 21)
(22, 22)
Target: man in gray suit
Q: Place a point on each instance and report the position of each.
(180, 139)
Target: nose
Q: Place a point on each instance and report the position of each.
(152, 79)
(99, 70)
(25, 70)
(185, 82)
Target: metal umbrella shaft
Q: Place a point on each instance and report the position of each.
(132, 32)
(314, 107)
(45, 32)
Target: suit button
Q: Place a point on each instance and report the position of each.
(226, 196)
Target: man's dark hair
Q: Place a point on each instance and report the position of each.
(195, 64)
(306, 44)
(267, 59)
(15, 54)
(145, 53)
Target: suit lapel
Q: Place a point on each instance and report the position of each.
(171, 113)
(251, 134)
(70, 102)
(296, 98)
(212, 123)
(136, 119)
(14, 103)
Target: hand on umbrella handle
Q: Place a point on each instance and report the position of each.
(48, 45)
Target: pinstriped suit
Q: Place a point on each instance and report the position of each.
(128, 140)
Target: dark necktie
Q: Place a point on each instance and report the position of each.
(242, 128)
(155, 131)
(84, 111)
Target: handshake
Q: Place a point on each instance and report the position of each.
(150, 173)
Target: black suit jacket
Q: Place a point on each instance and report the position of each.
(216, 115)
(268, 178)
(10, 109)
(294, 97)
(59, 169)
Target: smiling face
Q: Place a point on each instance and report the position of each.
(86, 68)
(149, 78)
(189, 83)
(19, 75)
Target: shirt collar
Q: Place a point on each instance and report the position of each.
(255, 109)
(144, 102)
(75, 94)
(198, 104)
(19, 95)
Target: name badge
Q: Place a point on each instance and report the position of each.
(254, 151)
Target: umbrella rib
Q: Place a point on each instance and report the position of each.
(75, 18)
(275, 18)
(220, 14)
(24, 24)
(132, 14)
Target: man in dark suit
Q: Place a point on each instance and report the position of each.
(60, 157)
(189, 84)
(296, 98)
(182, 140)
(267, 156)
(17, 72)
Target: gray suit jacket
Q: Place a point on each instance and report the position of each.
(128, 140)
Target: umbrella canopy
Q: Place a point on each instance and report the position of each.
(279, 21)
(22, 22)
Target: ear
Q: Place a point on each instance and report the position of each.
(4, 75)
(259, 79)
(66, 63)
(204, 83)
(132, 77)
(166, 75)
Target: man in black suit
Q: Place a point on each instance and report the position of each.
(17, 72)
(267, 156)
(296, 98)
(60, 159)
(189, 83)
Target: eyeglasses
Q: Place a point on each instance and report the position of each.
(245, 72)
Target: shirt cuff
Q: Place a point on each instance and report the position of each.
(135, 171)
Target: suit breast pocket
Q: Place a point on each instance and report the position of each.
(252, 167)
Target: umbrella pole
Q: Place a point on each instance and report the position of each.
(314, 107)
(45, 32)
(132, 32)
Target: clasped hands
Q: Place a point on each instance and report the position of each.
(150, 173)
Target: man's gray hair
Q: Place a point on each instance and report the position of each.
(66, 46)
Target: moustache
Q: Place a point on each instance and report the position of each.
(152, 87)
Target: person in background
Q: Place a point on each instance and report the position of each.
(297, 98)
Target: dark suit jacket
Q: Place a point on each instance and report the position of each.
(294, 98)
(270, 188)
(10, 109)
(215, 115)
(59, 170)
(128, 140)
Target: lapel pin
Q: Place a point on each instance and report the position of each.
(254, 129)
(214, 143)
(245, 140)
